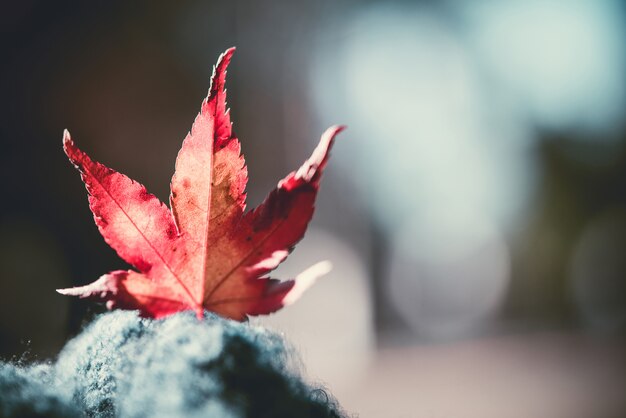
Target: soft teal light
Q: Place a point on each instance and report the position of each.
(561, 61)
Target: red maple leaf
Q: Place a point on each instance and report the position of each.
(206, 252)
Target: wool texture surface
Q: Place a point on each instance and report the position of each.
(125, 366)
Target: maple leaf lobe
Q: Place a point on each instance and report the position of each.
(205, 252)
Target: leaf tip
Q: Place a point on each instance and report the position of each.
(67, 138)
(106, 285)
(224, 59)
(73, 291)
(320, 269)
(68, 144)
(63, 291)
(338, 128)
(328, 137)
(306, 279)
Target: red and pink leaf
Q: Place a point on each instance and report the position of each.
(204, 253)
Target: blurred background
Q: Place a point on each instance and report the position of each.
(474, 211)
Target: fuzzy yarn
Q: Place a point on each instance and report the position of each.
(125, 366)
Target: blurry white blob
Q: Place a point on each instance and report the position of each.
(563, 61)
(425, 141)
(447, 280)
(442, 169)
(331, 324)
(597, 273)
